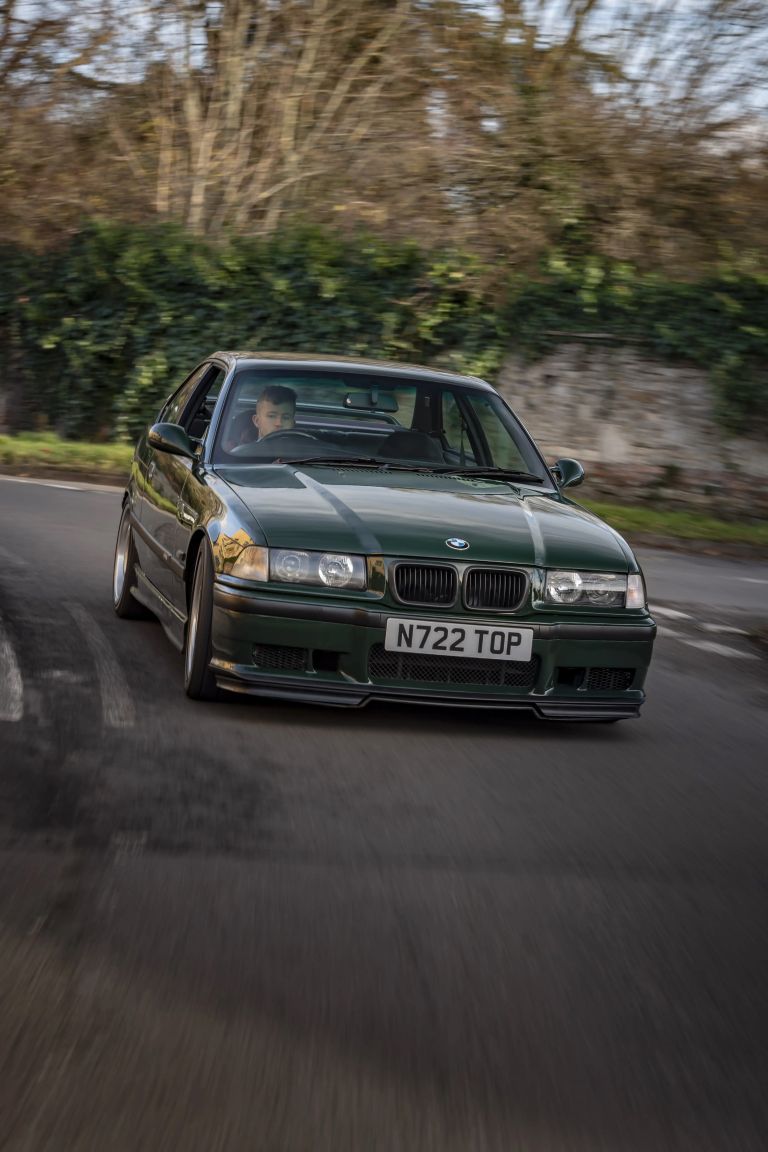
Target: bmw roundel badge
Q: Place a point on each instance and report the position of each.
(457, 543)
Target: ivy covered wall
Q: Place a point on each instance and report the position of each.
(95, 333)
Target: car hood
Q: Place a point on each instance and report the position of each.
(414, 514)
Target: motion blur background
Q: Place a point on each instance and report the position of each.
(244, 926)
(435, 180)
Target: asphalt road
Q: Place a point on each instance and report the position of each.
(273, 927)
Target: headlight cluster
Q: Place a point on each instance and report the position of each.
(600, 589)
(332, 569)
(295, 566)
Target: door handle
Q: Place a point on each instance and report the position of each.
(151, 470)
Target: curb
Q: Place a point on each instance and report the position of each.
(75, 475)
(718, 549)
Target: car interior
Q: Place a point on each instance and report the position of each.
(348, 416)
(347, 419)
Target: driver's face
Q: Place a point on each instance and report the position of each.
(270, 417)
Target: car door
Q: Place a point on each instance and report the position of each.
(195, 419)
(163, 482)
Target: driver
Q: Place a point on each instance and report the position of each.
(275, 411)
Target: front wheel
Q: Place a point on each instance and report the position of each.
(124, 572)
(199, 681)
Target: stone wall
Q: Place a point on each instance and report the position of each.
(645, 430)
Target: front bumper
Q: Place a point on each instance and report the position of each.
(322, 653)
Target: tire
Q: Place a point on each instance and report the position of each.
(199, 680)
(124, 572)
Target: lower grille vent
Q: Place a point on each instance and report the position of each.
(383, 665)
(610, 679)
(280, 658)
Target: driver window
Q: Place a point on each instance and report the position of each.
(197, 416)
(178, 402)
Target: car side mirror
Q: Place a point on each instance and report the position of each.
(171, 438)
(567, 473)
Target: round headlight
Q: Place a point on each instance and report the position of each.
(606, 590)
(335, 569)
(605, 598)
(564, 587)
(290, 566)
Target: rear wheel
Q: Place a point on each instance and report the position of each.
(199, 680)
(124, 572)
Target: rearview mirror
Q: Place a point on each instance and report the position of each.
(567, 473)
(171, 438)
(371, 401)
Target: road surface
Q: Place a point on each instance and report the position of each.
(272, 927)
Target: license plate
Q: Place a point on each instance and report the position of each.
(482, 641)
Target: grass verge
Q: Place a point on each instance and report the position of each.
(638, 520)
(44, 450)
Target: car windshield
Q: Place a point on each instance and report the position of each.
(284, 414)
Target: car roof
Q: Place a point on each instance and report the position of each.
(355, 364)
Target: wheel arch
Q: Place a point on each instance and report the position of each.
(199, 537)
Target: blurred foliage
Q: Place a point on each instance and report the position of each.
(95, 333)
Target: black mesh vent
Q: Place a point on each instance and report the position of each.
(364, 469)
(609, 679)
(425, 583)
(383, 665)
(279, 657)
(494, 588)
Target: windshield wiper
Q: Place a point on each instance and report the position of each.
(370, 460)
(499, 474)
(404, 466)
(366, 461)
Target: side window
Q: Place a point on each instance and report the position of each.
(175, 406)
(197, 415)
(504, 452)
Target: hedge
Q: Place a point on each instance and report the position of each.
(94, 334)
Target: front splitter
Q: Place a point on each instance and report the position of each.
(354, 696)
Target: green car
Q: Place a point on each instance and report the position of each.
(339, 531)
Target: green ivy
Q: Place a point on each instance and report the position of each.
(95, 334)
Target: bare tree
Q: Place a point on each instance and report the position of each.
(629, 129)
(48, 137)
(250, 101)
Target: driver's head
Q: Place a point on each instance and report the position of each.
(275, 410)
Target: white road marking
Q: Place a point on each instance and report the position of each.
(116, 703)
(720, 649)
(62, 676)
(664, 631)
(672, 613)
(751, 580)
(79, 486)
(724, 629)
(11, 685)
(12, 559)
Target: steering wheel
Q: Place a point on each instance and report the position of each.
(285, 432)
(251, 447)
